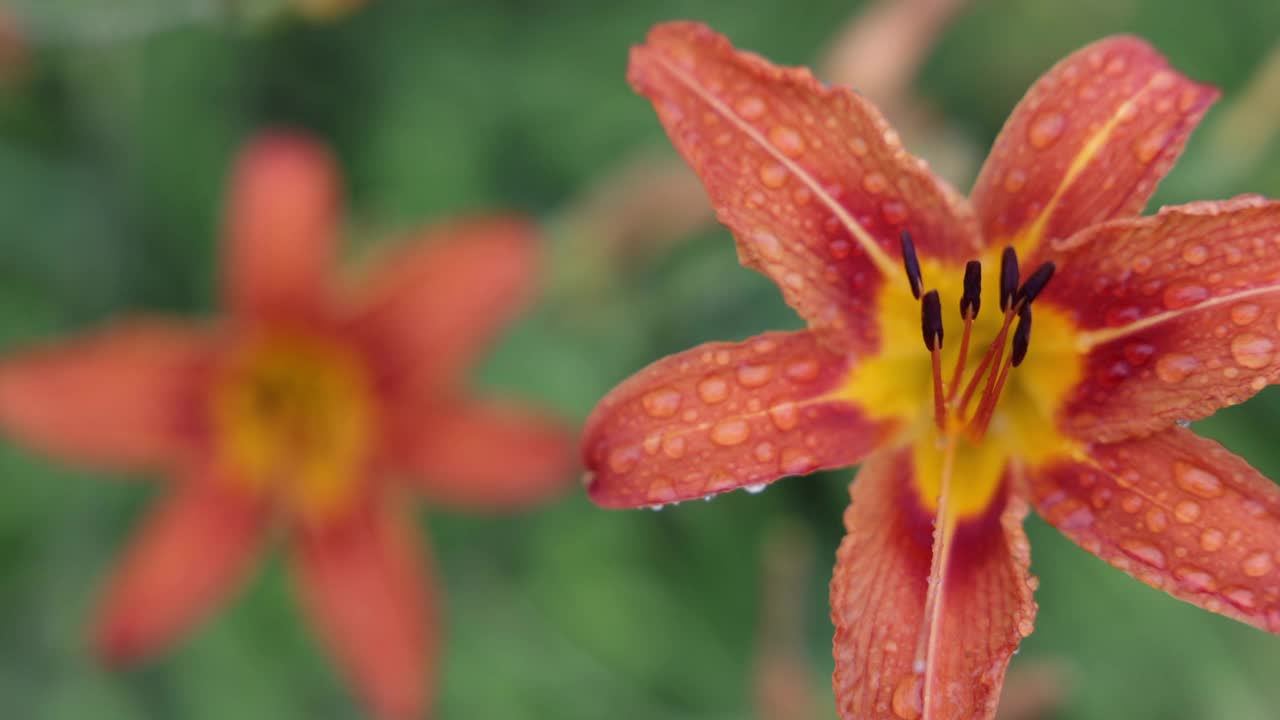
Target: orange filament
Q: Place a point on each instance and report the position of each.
(993, 353)
(960, 362)
(939, 398)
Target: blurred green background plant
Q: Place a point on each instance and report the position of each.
(117, 124)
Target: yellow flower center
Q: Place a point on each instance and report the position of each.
(897, 383)
(294, 417)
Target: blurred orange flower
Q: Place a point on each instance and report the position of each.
(313, 405)
(1149, 321)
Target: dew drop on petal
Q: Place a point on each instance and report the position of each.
(1245, 313)
(1147, 147)
(1196, 578)
(1252, 351)
(894, 212)
(802, 370)
(764, 452)
(673, 446)
(1195, 254)
(1197, 481)
(754, 376)
(796, 462)
(874, 183)
(733, 431)
(623, 459)
(661, 403)
(1144, 551)
(1157, 521)
(713, 390)
(1175, 367)
(1025, 626)
(1046, 129)
(754, 489)
(1014, 180)
(787, 140)
(1131, 503)
(784, 415)
(767, 244)
(908, 697)
(1240, 597)
(750, 107)
(1257, 564)
(1187, 511)
(1180, 295)
(1212, 540)
(773, 175)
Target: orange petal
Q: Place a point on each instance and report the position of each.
(878, 597)
(1181, 314)
(1088, 143)
(431, 307)
(1178, 512)
(191, 552)
(125, 396)
(812, 181)
(723, 416)
(366, 587)
(487, 455)
(282, 221)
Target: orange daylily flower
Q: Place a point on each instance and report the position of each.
(313, 405)
(1146, 322)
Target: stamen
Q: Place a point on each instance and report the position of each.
(1021, 336)
(971, 300)
(912, 265)
(931, 326)
(995, 352)
(1008, 277)
(1034, 284)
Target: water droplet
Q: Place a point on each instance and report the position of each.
(1116, 65)
(1138, 353)
(733, 431)
(764, 452)
(787, 140)
(1141, 264)
(839, 249)
(713, 390)
(794, 280)
(764, 346)
(1252, 351)
(673, 446)
(1014, 180)
(767, 244)
(1257, 564)
(1195, 578)
(874, 183)
(784, 415)
(858, 146)
(773, 175)
(802, 370)
(1045, 130)
(1131, 503)
(1212, 540)
(623, 459)
(894, 212)
(1144, 551)
(1033, 583)
(796, 462)
(1240, 597)
(908, 697)
(1195, 254)
(1157, 521)
(754, 376)
(652, 442)
(1187, 511)
(750, 107)
(723, 357)
(656, 507)
(1147, 147)
(1245, 313)
(1176, 367)
(754, 489)
(1180, 295)
(661, 403)
(1025, 626)
(1197, 481)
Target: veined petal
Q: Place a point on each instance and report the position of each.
(124, 396)
(878, 601)
(367, 589)
(1180, 314)
(811, 180)
(429, 308)
(1178, 512)
(191, 552)
(281, 228)
(486, 455)
(723, 416)
(1088, 143)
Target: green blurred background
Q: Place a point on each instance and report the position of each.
(115, 139)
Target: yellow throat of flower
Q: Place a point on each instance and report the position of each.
(293, 417)
(1020, 425)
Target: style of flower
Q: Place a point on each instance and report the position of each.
(1141, 323)
(312, 405)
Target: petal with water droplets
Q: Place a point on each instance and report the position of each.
(1180, 314)
(1088, 143)
(812, 180)
(1180, 513)
(878, 597)
(724, 416)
